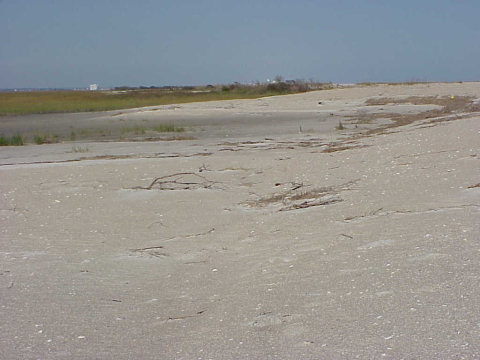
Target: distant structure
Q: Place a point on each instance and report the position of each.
(93, 87)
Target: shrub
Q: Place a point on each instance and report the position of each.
(280, 87)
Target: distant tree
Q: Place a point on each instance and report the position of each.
(278, 79)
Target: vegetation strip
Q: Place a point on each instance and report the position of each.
(45, 102)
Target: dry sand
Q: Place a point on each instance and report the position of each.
(275, 243)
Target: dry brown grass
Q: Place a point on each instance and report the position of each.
(449, 106)
(449, 102)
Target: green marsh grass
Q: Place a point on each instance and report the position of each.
(15, 140)
(43, 102)
(137, 130)
(40, 138)
(168, 128)
(89, 132)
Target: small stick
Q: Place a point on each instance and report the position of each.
(186, 316)
(149, 248)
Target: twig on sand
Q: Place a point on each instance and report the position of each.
(189, 235)
(149, 248)
(180, 181)
(155, 222)
(295, 185)
(307, 204)
(185, 316)
(373, 213)
(203, 168)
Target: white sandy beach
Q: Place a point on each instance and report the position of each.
(270, 235)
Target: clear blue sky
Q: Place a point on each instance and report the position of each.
(73, 43)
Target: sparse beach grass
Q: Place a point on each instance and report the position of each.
(79, 149)
(137, 130)
(15, 140)
(160, 128)
(42, 138)
(168, 128)
(92, 132)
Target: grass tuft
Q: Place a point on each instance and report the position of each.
(15, 140)
(168, 128)
(41, 138)
(137, 130)
(79, 149)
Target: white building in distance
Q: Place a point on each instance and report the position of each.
(93, 87)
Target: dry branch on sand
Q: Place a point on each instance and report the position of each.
(179, 181)
(296, 198)
(311, 203)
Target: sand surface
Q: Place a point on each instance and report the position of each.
(271, 235)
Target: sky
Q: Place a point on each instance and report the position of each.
(74, 43)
